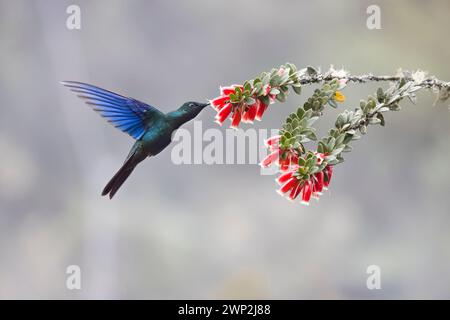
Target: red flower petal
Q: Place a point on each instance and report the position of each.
(319, 181)
(329, 172)
(271, 158)
(291, 183)
(245, 117)
(295, 192)
(261, 108)
(284, 164)
(236, 118)
(251, 113)
(306, 192)
(272, 140)
(219, 102)
(230, 89)
(284, 177)
(223, 113)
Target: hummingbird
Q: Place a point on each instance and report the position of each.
(151, 128)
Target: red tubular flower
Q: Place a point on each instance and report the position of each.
(284, 157)
(308, 188)
(249, 115)
(224, 112)
(227, 90)
(273, 141)
(318, 184)
(306, 192)
(260, 109)
(329, 173)
(271, 158)
(284, 177)
(288, 159)
(219, 102)
(295, 192)
(236, 118)
(289, 185)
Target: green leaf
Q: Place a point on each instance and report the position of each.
(380, 95)
(265, 100)
(281, 97)
(374, 121)
(297, 89)
(347, 148)
(311, 71)
(274, 91)
(332, 103)
(275, 81)
(312, 136)
(381, 118)
(300, 112)
(337, 151)
(250, 101)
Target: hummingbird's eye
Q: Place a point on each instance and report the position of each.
(191, 104)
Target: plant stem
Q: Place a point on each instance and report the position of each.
(429, 82)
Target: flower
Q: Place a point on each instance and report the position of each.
(240, 111)
(249, 114)
(223, 112)
(329, 174)
(236, 118)
(224, 98)
(283, 157)
(338, 97)
(293, 185)
(261, 107)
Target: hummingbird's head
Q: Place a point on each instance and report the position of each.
(192, 109)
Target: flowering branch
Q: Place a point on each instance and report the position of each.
(303, 172)
(311, 76)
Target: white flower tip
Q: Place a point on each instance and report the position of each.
(262, 165)
(306, 203)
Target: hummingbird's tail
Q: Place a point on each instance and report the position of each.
(119, 178)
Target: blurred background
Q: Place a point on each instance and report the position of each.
(216, 231)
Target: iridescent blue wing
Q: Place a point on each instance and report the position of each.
(126, 114)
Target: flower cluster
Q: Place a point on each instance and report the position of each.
(301, 180)
(284, 157)
(304, 173)
(248, 102)
(246, 110)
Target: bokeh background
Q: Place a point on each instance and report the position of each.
(218, 231)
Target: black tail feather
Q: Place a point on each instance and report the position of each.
(119, 178)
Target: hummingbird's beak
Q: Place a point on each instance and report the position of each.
(203, 105)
